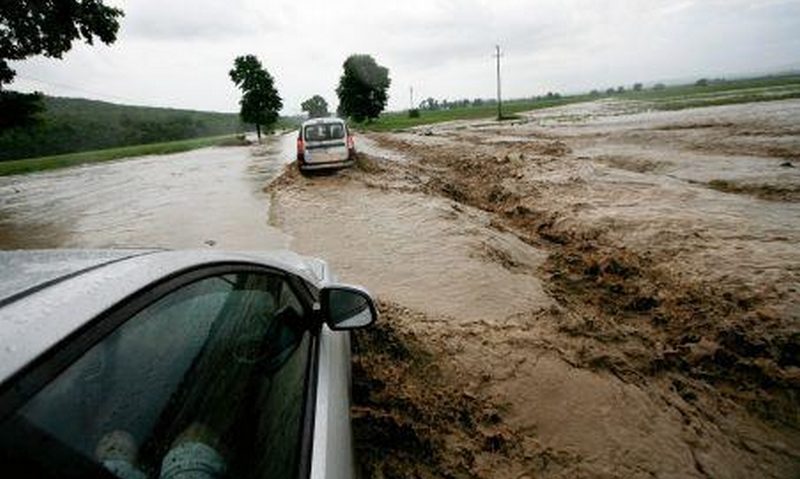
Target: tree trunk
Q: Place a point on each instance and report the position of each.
(258, 132)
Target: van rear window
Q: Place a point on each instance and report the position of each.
(324, 132)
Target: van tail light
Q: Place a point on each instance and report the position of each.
(350, 142)
(301, 150)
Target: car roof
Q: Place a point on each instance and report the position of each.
(27, 271)
(89, 283)
(322, 121)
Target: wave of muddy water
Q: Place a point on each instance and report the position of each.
(425, 252)
(196, 199)
(593, 313)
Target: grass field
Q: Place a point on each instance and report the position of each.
(400, 120)
(29, 165)
(670, 98)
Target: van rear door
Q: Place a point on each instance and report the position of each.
(325, 142)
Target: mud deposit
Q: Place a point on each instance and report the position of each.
(410, 419)
(586, 292)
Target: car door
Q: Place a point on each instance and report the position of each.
(205, 375)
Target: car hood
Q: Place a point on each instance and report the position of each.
(34, 317)
(26, 271)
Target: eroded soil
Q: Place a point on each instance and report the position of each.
(586, 292)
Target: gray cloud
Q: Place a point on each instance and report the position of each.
(191, 20)
(177, 53)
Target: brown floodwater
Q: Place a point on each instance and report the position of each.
(478, 244)
(212, 197)
(424, 252)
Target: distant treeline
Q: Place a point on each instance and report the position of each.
(432, 104)
(70, 125)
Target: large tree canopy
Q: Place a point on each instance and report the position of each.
(260, 102)
(363, 88)
(316, 106)
(45, 27)
(48, 27)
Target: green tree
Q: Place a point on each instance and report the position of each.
(363, 88)
(36, 27)
(19, 109)
(316, 106)
(260, 102)
(429, 104)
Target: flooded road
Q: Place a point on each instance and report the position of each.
(440, 269)
(197, 199)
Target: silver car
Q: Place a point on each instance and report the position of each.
(160, 364)
(324, 143)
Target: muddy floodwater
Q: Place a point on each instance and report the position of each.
(595, 290)
(203, 198)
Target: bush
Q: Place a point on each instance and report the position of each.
(413, 113)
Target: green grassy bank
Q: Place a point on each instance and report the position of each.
(29, 165)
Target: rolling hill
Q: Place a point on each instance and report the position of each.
(72, 124)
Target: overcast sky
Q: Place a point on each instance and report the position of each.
(177, 53)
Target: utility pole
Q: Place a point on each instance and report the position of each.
(497, 55)
(411, 98)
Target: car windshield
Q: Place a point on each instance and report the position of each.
(324, 132)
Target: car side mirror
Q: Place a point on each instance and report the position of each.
(347, 307)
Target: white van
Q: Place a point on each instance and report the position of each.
(324, 143)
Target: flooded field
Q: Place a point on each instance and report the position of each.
(606, 292)
(197, 199)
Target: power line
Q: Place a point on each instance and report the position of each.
(77, 89)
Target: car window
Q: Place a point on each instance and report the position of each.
(209, 378)
(324, 132)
